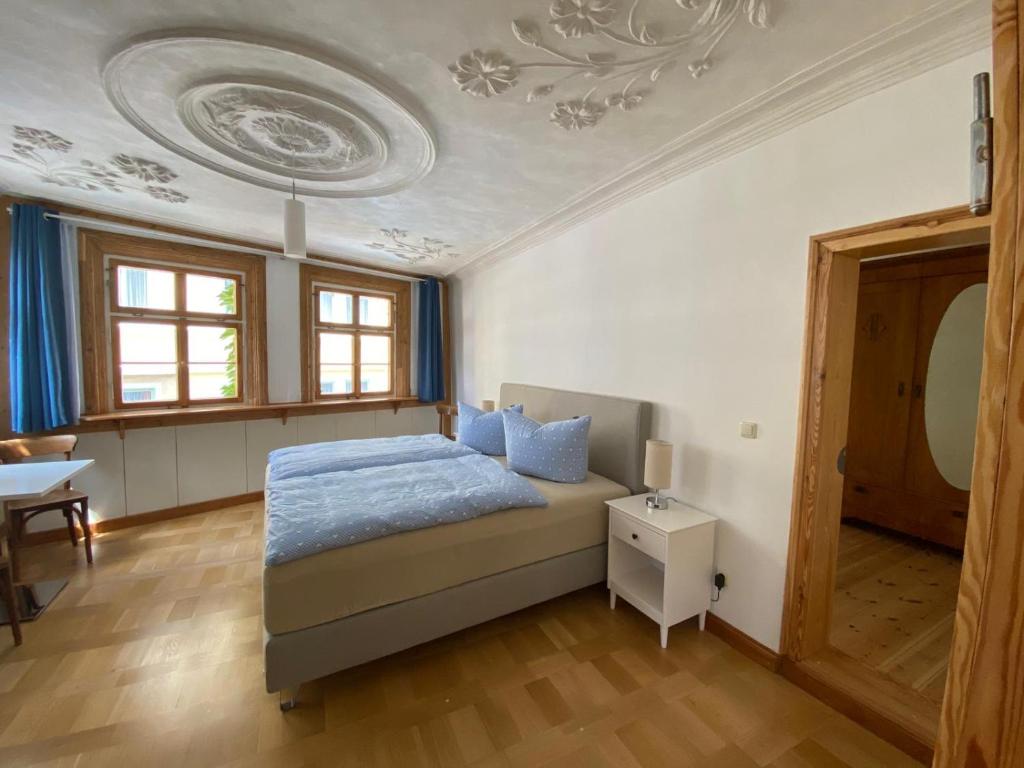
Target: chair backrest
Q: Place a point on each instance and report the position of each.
(13, 451)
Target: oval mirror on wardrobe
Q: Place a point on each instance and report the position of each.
(951, 388)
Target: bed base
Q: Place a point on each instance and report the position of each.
(293, 658)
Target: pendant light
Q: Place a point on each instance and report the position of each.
(294, 225)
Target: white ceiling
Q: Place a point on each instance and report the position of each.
(193, 113)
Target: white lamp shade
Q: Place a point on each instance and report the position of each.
(295, 228)
(487, 405)
(658, 465)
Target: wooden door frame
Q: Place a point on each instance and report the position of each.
(833, 283)
(832, 287)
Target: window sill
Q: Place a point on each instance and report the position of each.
(211, 414)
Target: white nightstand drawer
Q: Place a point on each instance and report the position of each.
(647, 541)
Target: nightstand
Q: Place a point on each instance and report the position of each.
(661, 560)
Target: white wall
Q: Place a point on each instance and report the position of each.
(692, 297)
(167, 467)
(284, 384)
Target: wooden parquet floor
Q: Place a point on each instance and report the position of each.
(154, 658)
(894, 606)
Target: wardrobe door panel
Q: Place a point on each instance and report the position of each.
(883, 367)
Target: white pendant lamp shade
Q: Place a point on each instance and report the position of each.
(294, 228)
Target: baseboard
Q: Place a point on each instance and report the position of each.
(743, 643)
(144, 518)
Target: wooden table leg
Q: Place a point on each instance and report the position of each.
(13, 540)
(83, 519)
(10, 602)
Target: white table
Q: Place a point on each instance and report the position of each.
(37, 478)
(33, 480)
(661, 560)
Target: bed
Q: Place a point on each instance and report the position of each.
(339, 607)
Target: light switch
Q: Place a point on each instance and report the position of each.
(748, 429)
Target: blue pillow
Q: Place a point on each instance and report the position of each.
(483, 431)
(554, 451)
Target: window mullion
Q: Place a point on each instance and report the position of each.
(184, 396)
(316, 369)
(182, 342)
(357, 390)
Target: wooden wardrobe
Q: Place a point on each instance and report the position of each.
(891, 476)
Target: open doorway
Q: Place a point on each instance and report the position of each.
(910, 445)
(905, 505)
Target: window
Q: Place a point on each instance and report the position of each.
(358, 335)
(354, 334)
(170, 326)
(176, 335)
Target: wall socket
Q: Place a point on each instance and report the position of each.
(748, 429)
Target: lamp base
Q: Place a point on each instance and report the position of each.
(657, 501)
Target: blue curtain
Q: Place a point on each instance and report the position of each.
(41, 397)
(430, 363)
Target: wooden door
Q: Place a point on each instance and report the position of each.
(883, 368)
(983, 711)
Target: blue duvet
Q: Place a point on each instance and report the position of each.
(311, 514)
(319, 458)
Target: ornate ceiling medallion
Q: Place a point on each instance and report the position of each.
(412, 251)
(264, 113)
(619, 82)
(284, 131)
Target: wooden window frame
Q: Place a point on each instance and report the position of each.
(180, 274)
(357, 331)
(181, 318)
(312, 280)
(100, 255)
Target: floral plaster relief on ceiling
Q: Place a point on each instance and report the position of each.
(45, 153)
(411, 250)
(605, 78)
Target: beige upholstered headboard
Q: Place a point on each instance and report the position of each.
(618, 431)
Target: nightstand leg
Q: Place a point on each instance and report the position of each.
(700, 619)
(664, 635)
(613, 596)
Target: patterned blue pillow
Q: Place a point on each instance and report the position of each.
(483, 431)
(554, 451)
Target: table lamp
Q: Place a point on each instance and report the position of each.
(658, 472)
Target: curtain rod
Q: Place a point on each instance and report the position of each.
(155, 234)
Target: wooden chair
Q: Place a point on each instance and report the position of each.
(445, 411)
(68, 501)
(7, 587)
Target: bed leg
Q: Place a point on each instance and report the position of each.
(289, 699)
